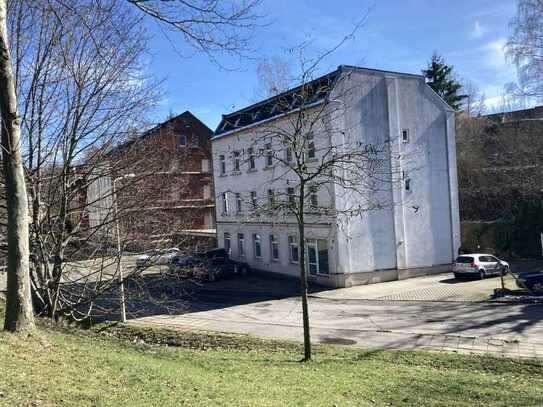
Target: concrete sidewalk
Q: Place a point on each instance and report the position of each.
(439, 287)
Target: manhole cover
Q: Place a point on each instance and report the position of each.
(332, 340)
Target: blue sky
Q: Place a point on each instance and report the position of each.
(399, 35)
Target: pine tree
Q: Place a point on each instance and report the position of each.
(439, 76)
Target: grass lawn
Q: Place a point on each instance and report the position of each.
(120, 366)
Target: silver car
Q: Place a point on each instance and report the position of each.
(480, 265)
(157, 257)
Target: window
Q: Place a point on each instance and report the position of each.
(225, 203)
(241, 245)
(288, 154)
(183, 140)
(238, 202)
(407, 182)
(271, 196)
(293, 249)
(317, 256)
(405, 135)
(206, 193)
(290, 197)
(313, 199)
(257, 242)
(310, 143)
(227, 243)
(269, 155)
(274, 248)
(254, 202)
(251, 154)
(195, 141)
(222, 165)
(236, 161)
(205, 165)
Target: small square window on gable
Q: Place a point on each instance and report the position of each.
(405, 135)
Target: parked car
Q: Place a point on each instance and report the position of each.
(184, 264)
(157, 257)
(213, 264)
(479, 265)
(532, 280)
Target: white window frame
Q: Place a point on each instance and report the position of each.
(236, 162)
(293, 242)
(313, 196)
(241, 245)
(239, 207)
(405, 135)
(254, 200)
(288, 154)
(183, 140)
(311, 152)
(252, 162)
(222, 165)
(271, 196)
(314, 243)
(225, 208)
(257, 241)
(269, 154)
(227, 246)
(274, 242)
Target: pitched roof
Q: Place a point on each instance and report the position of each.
(307, 94)
(303, 95)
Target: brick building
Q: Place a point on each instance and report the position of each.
(163, 182)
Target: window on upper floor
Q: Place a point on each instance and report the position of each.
(290, 197)
(407, 183)
(288, 154)
(269, 155)
(271, 196)
(195, 141)
(238, 202)
(182, 140)
(222, 165)
(205, 165)
(310, 146)
(313, 196)
(251, 158)
(236, 161)
(405, 135)
(254, 202)
(225, 208)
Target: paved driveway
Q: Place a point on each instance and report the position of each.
(385, 321)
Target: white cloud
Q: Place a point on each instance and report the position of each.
(496, 53)
(478, 30)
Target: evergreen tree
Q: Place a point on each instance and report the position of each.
(439, 76)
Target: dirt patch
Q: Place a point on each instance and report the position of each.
(334, 340)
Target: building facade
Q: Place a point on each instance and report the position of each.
(163, 183)
(416, 232)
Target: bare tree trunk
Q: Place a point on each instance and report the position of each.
(19, 313)
(303, 277)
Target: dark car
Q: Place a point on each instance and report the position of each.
(531, 280)
(213, 264)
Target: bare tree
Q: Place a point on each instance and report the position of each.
(474, 102)
(19, 315)
(209, 26)
(525, 46)
(274, 76)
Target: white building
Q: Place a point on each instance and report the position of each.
(418, 231)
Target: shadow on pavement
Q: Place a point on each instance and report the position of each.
(159, 294)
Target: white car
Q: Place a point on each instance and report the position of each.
(157, 257)
(480, 265)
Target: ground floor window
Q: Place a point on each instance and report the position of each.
(317, 256)
(293, 249)
(227, 244)
(241, 244)
(257, 241)
(274, 247)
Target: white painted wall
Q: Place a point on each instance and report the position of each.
(414, 229)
